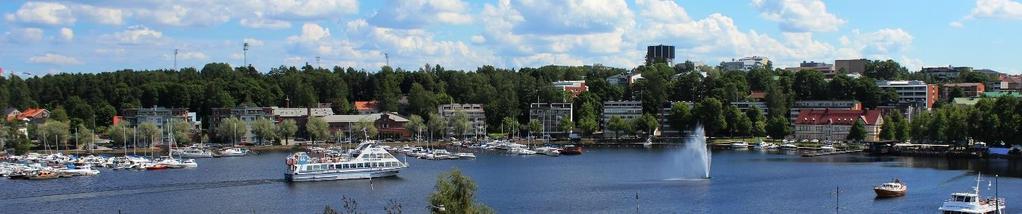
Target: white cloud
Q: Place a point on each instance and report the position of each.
(54, 59)
(24, 35)
(417, 13)
(570, 16)
(44, 13)
(67, 34)
(111, 51)
(101, 15)
(799, 15)
(135, 35)
(253, 42)
(264, 23)
(536, 29)
(188, 55)
(196, 14)
(883, 43)
(997, 9)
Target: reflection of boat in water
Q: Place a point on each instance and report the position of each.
(891, 189)
(972, 203)
(368, 161)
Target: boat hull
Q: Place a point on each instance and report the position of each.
(330, 176)
(883, 193)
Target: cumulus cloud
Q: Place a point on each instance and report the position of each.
(533, 30)
(43, 13)
(54, 59)
(67, 34)
(101, 15)
(188, 55)
(799, 15)
(996, 9)
(569, 16)
(253, 42)
(24, 35)
(417, 13)
(135, 35)
(883, 43)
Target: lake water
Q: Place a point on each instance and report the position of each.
(603, 180)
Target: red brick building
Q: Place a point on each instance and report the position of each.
(834, 124)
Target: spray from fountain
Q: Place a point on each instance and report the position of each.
(695, 157)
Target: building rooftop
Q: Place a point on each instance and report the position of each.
(351, 118)
(837, 117)
(365, 105)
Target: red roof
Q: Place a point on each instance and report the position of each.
(365, 105)
(759, 95)
(837, 116)
(31, 113)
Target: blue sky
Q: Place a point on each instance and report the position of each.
(41, 37)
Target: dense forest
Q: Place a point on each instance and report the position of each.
(90, 100)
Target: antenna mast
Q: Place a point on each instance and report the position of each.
(175, 59)
(244, 50)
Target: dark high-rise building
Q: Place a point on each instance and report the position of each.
(660, 53)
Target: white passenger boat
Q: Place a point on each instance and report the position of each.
(789, 146)
(370, 161)
(972, 203)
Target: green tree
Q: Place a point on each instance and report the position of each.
(618, 125)
(887, 130)
(509, 124)
(287, 129)
(421, 101)
(535, 127)
(86, 138)
(455, 192)
(810, 85)
(460, 123)
(857, 132)
(588, 125)
(566, 125)
(758, 120)
(711, 115)
(364, 128)
(647, 123)
(119, 134)
(317, 129)
(263, 129)
(777, 127)
(437, 124)
(150, 133)
(416, 124)
(680, 117)
(182, 131)
(232, 130)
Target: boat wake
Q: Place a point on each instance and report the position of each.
(687, 179)
(135, 190)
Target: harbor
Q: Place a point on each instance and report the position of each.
(608, 176)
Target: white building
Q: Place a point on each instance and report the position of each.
(745, 63)
(913, 93)
(475, 112)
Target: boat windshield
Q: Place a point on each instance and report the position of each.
(960, 198)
